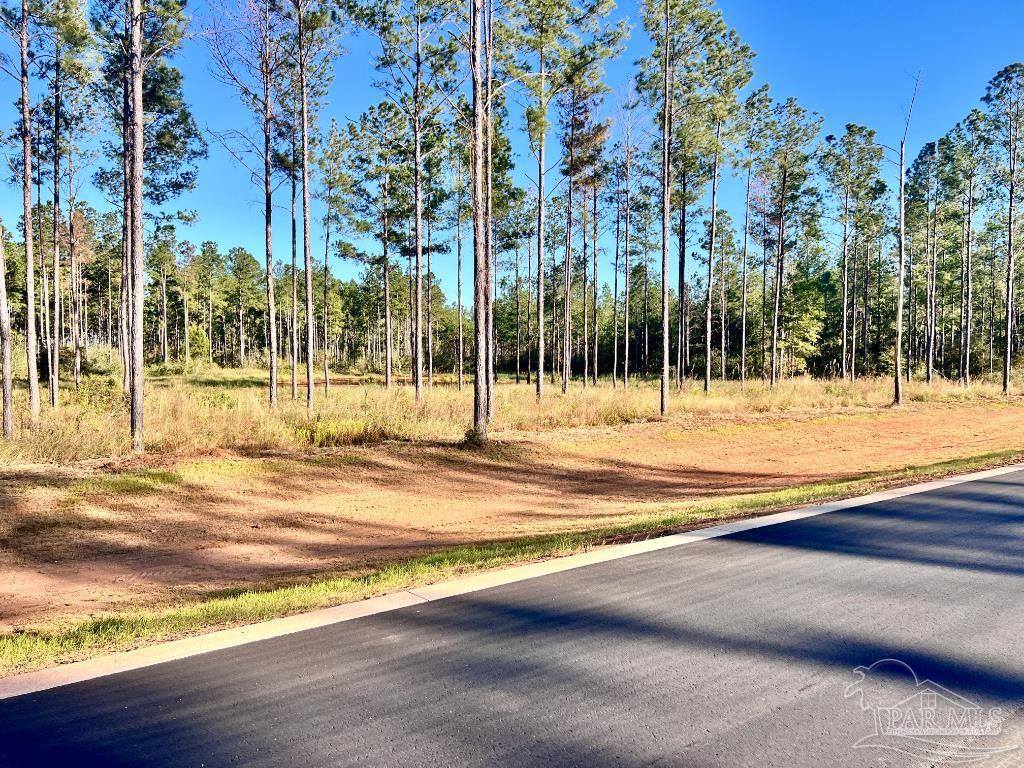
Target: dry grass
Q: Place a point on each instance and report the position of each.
(213, 409)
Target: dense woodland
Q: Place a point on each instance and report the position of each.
(830, 268)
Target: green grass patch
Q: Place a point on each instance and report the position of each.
(22, 651)
(138, 482)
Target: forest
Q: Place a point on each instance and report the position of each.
(498, 148)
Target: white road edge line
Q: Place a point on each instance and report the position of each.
(80, 671)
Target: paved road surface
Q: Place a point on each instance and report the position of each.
(735, 651)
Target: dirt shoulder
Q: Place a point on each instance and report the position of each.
(83, 540)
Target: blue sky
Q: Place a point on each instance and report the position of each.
(848, 61)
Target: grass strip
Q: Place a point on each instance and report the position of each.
(37, 648)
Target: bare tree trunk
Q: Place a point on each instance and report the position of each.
(541, 141)
(417, 367)
(295, 275)
(306, 250)
(268, 208)
(743, 307)
(388, 323)
(666, 190)
(430, 311)
(327, 280)
(76, 276)
(866, 323)
(593, 251)
(460, 350)
(846, 280)
(209, 318)
(722, 309)
(626, 276)
(6, 369)
(26, 188)
(901, 236)
(711, 261)
(188, 343)
(764, 290)
(1010, 269)
(647, 309)
(110, 313)
(585, 283)
(969, 292)
(930, 319)
(241, 329)
(56, 340)
(164, 352)
(519, 288)
(136, 248)
(615, 293)
(683, 352)
(779, 275)
(488, 191)
(480, 256)
(556, 344)
(567, 266)
(529, 316)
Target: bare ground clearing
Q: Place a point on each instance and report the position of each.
(81, 540)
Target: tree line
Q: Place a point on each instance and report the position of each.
(826, 270)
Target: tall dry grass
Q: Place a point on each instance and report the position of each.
(213, 408)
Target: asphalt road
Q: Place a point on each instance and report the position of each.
(735, 651)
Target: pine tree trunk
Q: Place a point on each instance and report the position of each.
(488, 191)
(666, 213)
(460, 346)
(901, 255)
(188, 342)
(268, 210)
(31, 344)
(76, 277)
(388, 322)
(567, 270)
(327, 281)
(430, 313)
(1010, 268)
(711, 260)
(846, 279)
(6, 369)
(294, 329)
(722, 309)
(306, 245)
(417, 367)
(519, 288)
(529, 316)
(585, 283)
(541, 141)
(626, 276)
(743, 307)
(56, 339)
(615, 293)
(136, 249)
(969, 291)
(593, 251)
(480, 256)
(779, 274)
(163, 315)
(683, 353)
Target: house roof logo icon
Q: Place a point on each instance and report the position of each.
(923, 719)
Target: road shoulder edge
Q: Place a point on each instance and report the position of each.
(159, 653)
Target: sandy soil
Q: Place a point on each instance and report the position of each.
(81, 540)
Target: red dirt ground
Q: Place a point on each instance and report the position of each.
(77, 541)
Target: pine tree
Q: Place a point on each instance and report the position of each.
(1004, 100)
(248, 50)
